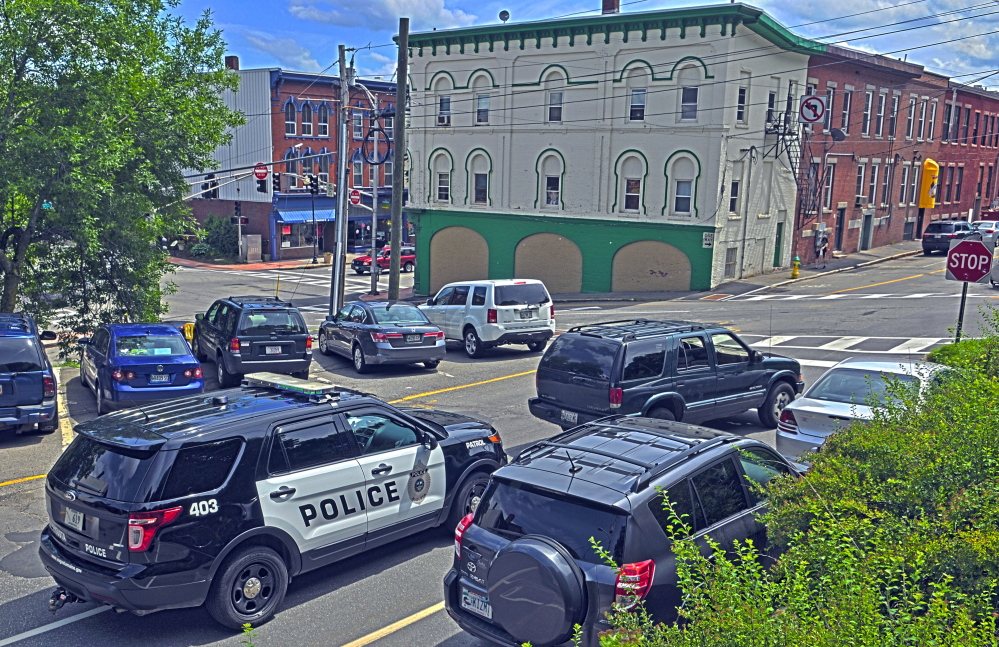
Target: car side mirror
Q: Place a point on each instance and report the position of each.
(431, 302)
(83, 341)
(330, 318)
(430, 441)
(47, 335)
(756, 356)
(199, 317)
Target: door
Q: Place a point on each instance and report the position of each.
(840, 229)
(779, 244)
(454, 316)
(314, 489)
(694, 376)
(436, 312)
(95, 355)
(201, 329)
(218, 327)
(404, 479)
(867, 232)
(337, 337)
(741, 383)
(347, 327)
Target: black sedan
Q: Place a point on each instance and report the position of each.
(383, 332)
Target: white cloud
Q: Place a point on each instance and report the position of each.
(289, 53)
(380, 15)
(385, 66)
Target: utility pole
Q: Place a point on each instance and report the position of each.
(340, 253)
(399, 163)
(375, 268)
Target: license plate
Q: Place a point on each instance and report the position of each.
(74, 519)
(272, 350)
(937, 236)
(159, 379)
(472, 601)
(569, 416)
(526, 314)
(413, 338)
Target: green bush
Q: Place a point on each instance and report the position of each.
(201, 249)
(222, 236)
(981, 354)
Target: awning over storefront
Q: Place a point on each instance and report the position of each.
(322, 215)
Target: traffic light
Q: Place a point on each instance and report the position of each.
(213, 187)
(239, 208)
(314, 184)
(262, 186)
(276, 182)
(928, 184)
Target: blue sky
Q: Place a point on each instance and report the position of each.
(304, 34)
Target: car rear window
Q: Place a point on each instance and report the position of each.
(521, 295)
(265, 322)
(513, 510)
(589, 356)
(151, 345)
(855, 386)
(201, 468)
(110, 472)
(940, 228)
(398, 313)
(19, 355)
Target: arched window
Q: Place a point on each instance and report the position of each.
(323, 115)
(308, 164)
(689, 80)
(442, 93)
(481, 85)
(479, 168)
(682, 170)
(324, 165)
(631, 191)
(551, 176)
(638, 84)
(291, 167)
(289, 118)
(554, 95)
(356, 169)
(307, 119)
(440, 179)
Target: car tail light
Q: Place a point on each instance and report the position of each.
(142, 526)
(381, 336)
(48, 386)
(234, 345)
(193, 372)
(616, 396)
(129, 375)
(434, 335)
(459, 532)
(491, 316)
(308, 343)
(950, 235)
(553, 311)
(117, 375)
(787, 422)
(634, 582)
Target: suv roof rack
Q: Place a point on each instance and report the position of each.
(252, 300)
(15, 322)
(626, 329)
(314, 390)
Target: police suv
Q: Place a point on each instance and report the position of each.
(220, 500)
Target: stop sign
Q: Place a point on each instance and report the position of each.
(969, 260)
(260, 172)
(355, 197)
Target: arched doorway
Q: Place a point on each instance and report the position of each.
(457, 254)
(552, 259)
(650, 265)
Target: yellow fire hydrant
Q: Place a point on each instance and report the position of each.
(795, 266)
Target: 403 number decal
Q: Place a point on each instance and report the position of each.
(199, 508)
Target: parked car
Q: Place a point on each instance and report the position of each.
(986, 227)
(483, 314)
(382, 332)
(128, 364)
(524, 568)
(249, 334)
(27, 381)
(844, 395)
(671, 370)
(938, 235)
(407, 261)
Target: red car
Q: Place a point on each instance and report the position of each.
(362, 264)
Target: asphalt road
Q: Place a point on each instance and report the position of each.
(387, 597)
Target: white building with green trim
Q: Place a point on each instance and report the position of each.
(619, 152)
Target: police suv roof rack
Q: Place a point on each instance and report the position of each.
(248, 300)
(315, 391)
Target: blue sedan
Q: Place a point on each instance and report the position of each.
(127, 364)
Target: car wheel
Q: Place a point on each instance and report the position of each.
(432, 363)
(473, 345)
(927, 252)
(102, 408)
(535, 346)
(51, 425)
(662, 413)
(324, 344)
(249, 588)
(197, 350)
(360, 364)
(468, 499)
(359, 272)
(408, 267)
(780, 396)
(227, 380)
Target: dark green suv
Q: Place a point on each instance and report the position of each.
(671, 370)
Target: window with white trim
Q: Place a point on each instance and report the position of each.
(733, 197)
(921, 128)
(357, 119)
(637, 107)
(865, 124)
(910, 123)
(387, 125)
(688, 104)
(553, 191)
(904, 184)
(893, 117)
(443, 187)
(387, 169)
(324, 171)
(827, 189)
(827, 120)
(632, 194)
(357, 176)
(861, 170)
(323, 117)
(886, 185)
(683, 196)
(444, 110)
(740, 109)
(481, 109)
(844, 117)
(307, 120)
(555, 106)
(872, 188)
(879, 127)
(289, 119)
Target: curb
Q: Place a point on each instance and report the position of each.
(65, 427)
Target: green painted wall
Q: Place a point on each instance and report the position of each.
(598, 240)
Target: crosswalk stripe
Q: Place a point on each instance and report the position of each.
(842, 343)
(914, 345)
(773, 341)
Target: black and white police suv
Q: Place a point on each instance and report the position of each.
(220, 500)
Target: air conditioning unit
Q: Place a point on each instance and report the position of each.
(859, 201)
(444, 120)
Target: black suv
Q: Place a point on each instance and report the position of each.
(938, 235)
(248, 334)
(222, 499)
(524, 569)
(27, 381)
(671, 370)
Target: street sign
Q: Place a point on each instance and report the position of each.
(355, 197)
(812, 109)
(260, 172)
(968, 260)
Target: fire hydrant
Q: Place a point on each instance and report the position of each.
(795, 266)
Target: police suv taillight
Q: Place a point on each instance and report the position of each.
(142, 526)
(48, 386)
(459, 532)
(633, 583)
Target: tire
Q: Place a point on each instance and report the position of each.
(51, 425)
(408, 267)
(324, 344)
(661, 413)
(432, 363)
(227, 380)
(359, 272)
(779, 396)
(99, 393)
(473, 345)
(535, 346)
(927, 252)
(228, 600)
(360, 364)
(467, 499)
(198, 353)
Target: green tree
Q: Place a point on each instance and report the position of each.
(102, 107)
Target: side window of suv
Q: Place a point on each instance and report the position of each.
(213, 311)
(479, 295)
(691, 353)
(720, 492)
(644, 359)
(728, 350)
(376, 432)
(443, 296)
(299, 449)
(460, 295)
(201, 468)
(761, 466)
(684, 505)
(221, 319)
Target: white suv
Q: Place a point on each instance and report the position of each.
(492, 313)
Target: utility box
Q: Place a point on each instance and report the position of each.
(251, 248)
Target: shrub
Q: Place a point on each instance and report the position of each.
(222, 236)
(201, 249)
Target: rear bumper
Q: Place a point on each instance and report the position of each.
(793, 446)
(124, 395)
(375, 353)
(936, 245)
(523, 337)
(115, 590)
(28, 414)
(496, 334)
(236, 364)
(553, 413)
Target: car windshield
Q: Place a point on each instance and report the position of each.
(19, 354)
(856, 386)
(521, 295)
(150, 345)
(399, 314)
(266, 322)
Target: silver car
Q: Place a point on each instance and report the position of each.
(841, 396)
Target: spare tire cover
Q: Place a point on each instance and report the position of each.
(537, 591)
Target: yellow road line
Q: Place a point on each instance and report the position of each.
(937, 271)
(26, 478)
(396, 626)
(463, 386)
(872, 285)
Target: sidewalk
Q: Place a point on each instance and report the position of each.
(294, 264)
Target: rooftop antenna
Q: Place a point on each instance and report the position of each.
(575, 468)
(504, 16)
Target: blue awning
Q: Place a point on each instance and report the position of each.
(322, 215)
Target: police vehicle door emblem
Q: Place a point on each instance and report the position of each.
(419, 483)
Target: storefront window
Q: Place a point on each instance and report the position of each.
(298, 234)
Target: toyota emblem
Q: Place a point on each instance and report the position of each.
(71, 495)
(471, 567)
(159, 369)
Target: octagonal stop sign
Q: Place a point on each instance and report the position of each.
(969, 260)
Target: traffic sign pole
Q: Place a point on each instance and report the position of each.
(960, 313)
(969, 261)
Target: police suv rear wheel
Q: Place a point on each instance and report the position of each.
(248, 588)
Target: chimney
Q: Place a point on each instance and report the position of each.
(611, 6)
(232, 62)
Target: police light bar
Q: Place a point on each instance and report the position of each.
(289, 384)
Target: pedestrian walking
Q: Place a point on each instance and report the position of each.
(823, 248)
